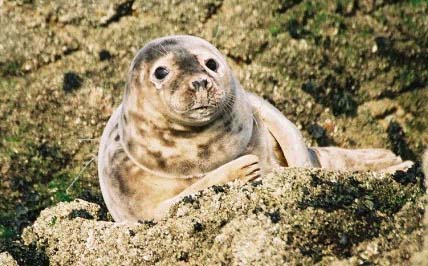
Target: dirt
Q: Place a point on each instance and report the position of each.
(348, 73)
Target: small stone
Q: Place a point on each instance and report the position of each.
(374, 48)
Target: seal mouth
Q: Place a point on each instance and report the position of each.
(202, 111)
(203, 107)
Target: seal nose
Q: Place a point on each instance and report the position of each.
(200, 83)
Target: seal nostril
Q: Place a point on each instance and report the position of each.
(204, 83)
(200, 83)
(195, 85)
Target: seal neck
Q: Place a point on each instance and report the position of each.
(137, 162)
(167, 149)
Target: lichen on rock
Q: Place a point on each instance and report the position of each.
(7, 260)
(293, 216)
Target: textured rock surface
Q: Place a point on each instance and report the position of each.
(294, 216)
(348, 73)
(421, 258)
(7, 260)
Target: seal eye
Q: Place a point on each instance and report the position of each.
(161, 73)
(212, 64)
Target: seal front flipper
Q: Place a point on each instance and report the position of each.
(244, 168)
(285, 133)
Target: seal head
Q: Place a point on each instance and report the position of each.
(185, 77)
(183, 108)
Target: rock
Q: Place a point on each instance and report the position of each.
(425, 166)
(313, 60)
(289, 217)
(421, 258)
(381, 108)
(7, 260)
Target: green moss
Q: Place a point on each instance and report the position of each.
(6, 83)
(418, 2)
(407, 76)
(366, 31)
(409, 22)
(313, 7)
(53, 220)
(11, 68)
(6, 233)
(36, 177)
(58, 187)
(274, 30)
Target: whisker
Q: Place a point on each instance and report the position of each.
(159, 51)
(255, 121)
(255, 111)
(79, 174)
(217, 30)
(164, 50)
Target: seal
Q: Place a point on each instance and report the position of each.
(185, 124)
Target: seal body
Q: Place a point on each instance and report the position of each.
(186, 124)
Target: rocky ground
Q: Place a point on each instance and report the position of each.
(347, 72)
(294, 217)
